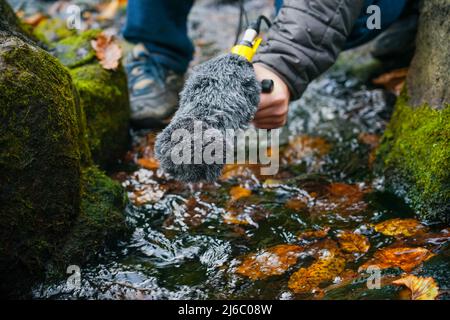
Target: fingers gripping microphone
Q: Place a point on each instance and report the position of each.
(222, 93)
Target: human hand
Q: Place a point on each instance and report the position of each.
(273, 107)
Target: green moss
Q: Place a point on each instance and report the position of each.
(415, 153)
(101, 221)
(104, 97)
(76, 50)
(39, 159)
(51, 30)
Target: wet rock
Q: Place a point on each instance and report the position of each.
(47, 196)
(103, 94)
(39, 159)
(415, 150)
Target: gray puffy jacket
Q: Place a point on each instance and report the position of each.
(306, 38)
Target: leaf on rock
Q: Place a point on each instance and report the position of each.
(421, 288)
(326, 269)
(405, 258)
(353, 243)
(107, 50)
(400, 227)
(239, 192)
(270, 262)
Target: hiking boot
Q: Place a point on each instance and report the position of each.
(153, 89)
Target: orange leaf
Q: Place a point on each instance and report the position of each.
(296, 204)
(313, 234)
(421, 288)
(273, 261)
(397, 227)
(239, 192)
(353, 243)
(326, 269)
(306, 147)
(405, 258)
(108, 51)
(34, 19)
(393, 81)
(150, 164)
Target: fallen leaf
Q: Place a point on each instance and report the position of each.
(421, 288)
(107, 50)
(400, 227)
(239, 192)
(340, 198)
(392, 81)
(313, 234)
(248, 171)
(269, 262)
(306, 148)
(404, 258)
(325, 269)
(34, 19)
(353, 243)
(150, 164)
(296, 204)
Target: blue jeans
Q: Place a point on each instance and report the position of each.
(162, 26)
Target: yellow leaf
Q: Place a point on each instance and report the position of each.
(353, 243)
(326, 269)
(270, 262)
(421, 288)
(239, 192)
(405, 258)
(397, 227)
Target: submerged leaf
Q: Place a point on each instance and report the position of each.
(326, 269)
(150, 164)
(397, 227)
(353, 243)
(421, 288)
(313, 234)
(239, 192)
(272, 261)
(405, 258)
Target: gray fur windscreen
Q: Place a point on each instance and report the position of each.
(222, 93)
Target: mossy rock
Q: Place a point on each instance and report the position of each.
(415, 151)
(76, 50)
(415, 154)
(100, 222)
(54, 205)
(103, 94)
(104, 97)
(49, 31)
(39, 159)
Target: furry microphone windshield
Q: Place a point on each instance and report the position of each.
(220, 94)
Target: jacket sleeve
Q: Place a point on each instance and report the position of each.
(306, 38)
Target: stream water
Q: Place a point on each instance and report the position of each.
(193, 241)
